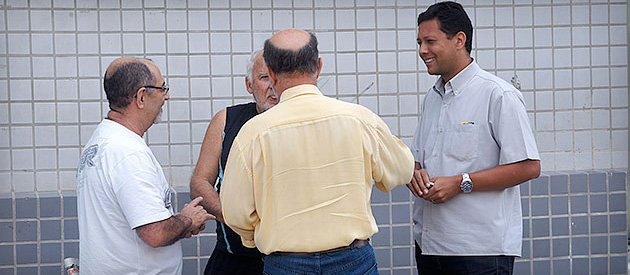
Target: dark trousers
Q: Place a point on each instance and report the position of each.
(225, 263)
(464, 265)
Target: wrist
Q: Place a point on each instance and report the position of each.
(185, 221)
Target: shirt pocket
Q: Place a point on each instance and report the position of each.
(464, 142)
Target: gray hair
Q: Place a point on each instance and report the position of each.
(250, 65)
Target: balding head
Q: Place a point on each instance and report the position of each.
(124, 76)
(290, 39)
(292, 51)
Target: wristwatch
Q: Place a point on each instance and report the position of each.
(467, 184)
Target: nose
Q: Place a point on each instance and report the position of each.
(167, 95)
(422, 49)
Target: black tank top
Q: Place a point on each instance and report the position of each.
(235, 117)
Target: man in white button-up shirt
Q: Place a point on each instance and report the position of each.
(473, 147)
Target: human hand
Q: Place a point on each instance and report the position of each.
(197, 215)
(420, 183)
(445, 189)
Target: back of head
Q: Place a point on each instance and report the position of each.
(453, 19)
(123, 78)
(286, 53)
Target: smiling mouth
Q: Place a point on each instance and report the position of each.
(429, 60)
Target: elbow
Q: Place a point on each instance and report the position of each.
(149, 236)
(151, 241)
(154, 244)
(533, 169)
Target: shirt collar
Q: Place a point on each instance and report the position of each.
(299, 90)
(459, 81)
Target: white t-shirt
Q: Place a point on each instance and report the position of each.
(474, 122)
(121, 186)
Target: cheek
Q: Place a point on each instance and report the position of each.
(262, 87)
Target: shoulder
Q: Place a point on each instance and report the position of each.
(242, 107)
(497, 87)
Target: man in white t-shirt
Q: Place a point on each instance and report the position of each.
(126, 219)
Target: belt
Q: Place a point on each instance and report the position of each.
(356, 243)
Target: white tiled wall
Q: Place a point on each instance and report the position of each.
(569, 56)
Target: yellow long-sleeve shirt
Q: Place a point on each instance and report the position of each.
(299, 176)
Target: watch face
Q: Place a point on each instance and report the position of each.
(467, 186)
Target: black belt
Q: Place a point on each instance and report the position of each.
(355, 243)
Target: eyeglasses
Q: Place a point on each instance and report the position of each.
(164, 88)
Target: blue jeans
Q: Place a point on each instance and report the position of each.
(463, 265)
(348, 261)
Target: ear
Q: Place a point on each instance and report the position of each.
(273, 77)
(320, 64)
(248, 86)
(140, 96)
(460, 40)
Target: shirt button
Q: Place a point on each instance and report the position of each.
(441, 130)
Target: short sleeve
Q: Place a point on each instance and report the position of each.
(141, 190)
(512, 130)
(393, 162)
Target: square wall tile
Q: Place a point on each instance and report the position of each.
(26, 231)
(561, 247)
(6, 231)
(559, 184)
(599, 224)
(6, 254)
(579, 246)
(25, 205)
(579, 204)
(71, 249)
(26, 253)
(50, 253)
(540, 227)
(540, 186)
(50, 230)
(618, 223)
(578, 183)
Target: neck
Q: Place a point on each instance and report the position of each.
(460, 66)
(122, 119)
(287, 82)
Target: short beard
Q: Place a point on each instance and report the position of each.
(158, 118)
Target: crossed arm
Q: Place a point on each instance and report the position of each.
(205, 175)
(496, 178)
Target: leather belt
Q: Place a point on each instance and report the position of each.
(356, 243)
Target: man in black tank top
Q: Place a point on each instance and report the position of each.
(229, 255)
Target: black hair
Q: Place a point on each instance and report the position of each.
(304, 60)
(121, 86)
(452, 19)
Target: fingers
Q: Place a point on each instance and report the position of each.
(198, 229)
(196, 201)
(426, 180)
(414, 186)
(208, 217)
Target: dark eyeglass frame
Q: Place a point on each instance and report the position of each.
(164, 88)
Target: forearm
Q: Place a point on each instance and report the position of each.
(166, 232)
(504, 176)
(211, 200)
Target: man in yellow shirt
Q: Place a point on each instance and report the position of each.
(299, 177)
